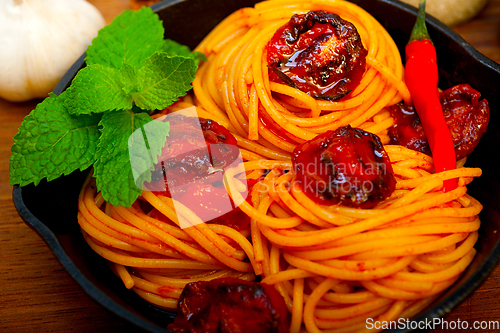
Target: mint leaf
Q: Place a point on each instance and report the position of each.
(113, 166)
(128, 80)
(130, 69)
(51, 143)
(162, 80)
(97, 89)
(144, 146)
(199, 57)
(173, 49)
(132, 37)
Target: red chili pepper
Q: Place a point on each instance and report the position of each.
(421, 77)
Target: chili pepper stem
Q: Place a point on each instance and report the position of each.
(419, 31)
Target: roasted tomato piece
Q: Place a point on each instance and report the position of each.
(466, 116)
(213, 205)
(347, 166)
(191, 169)
(235, 218)
(407, 129)
(230, 305)
(190, 156)
(319, 53)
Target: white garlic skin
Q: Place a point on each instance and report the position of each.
(39, 41)
(451, 12)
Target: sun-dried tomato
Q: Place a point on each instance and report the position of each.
(347, 166)
(466, 116)
(319, 53)
(230, 305)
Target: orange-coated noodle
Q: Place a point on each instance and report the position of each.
(335, 266)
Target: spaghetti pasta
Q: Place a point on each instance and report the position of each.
(297, 116)
(334, 265)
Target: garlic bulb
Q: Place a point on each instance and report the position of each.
(39, 41)
(451, 12)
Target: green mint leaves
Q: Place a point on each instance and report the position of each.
(130, 71)
(50, 143)
(162, 80)
(113, 155)
(132, 38)
(158, 83)
(97, 83)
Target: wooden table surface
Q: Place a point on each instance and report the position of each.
(36, 293)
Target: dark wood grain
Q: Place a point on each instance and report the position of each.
(36, 293)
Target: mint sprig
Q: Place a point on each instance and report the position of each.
(132, 37)
(162, 80)
(174, 48)
(130, 70)
(113, 156)
(97, 83)
(51, 143)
